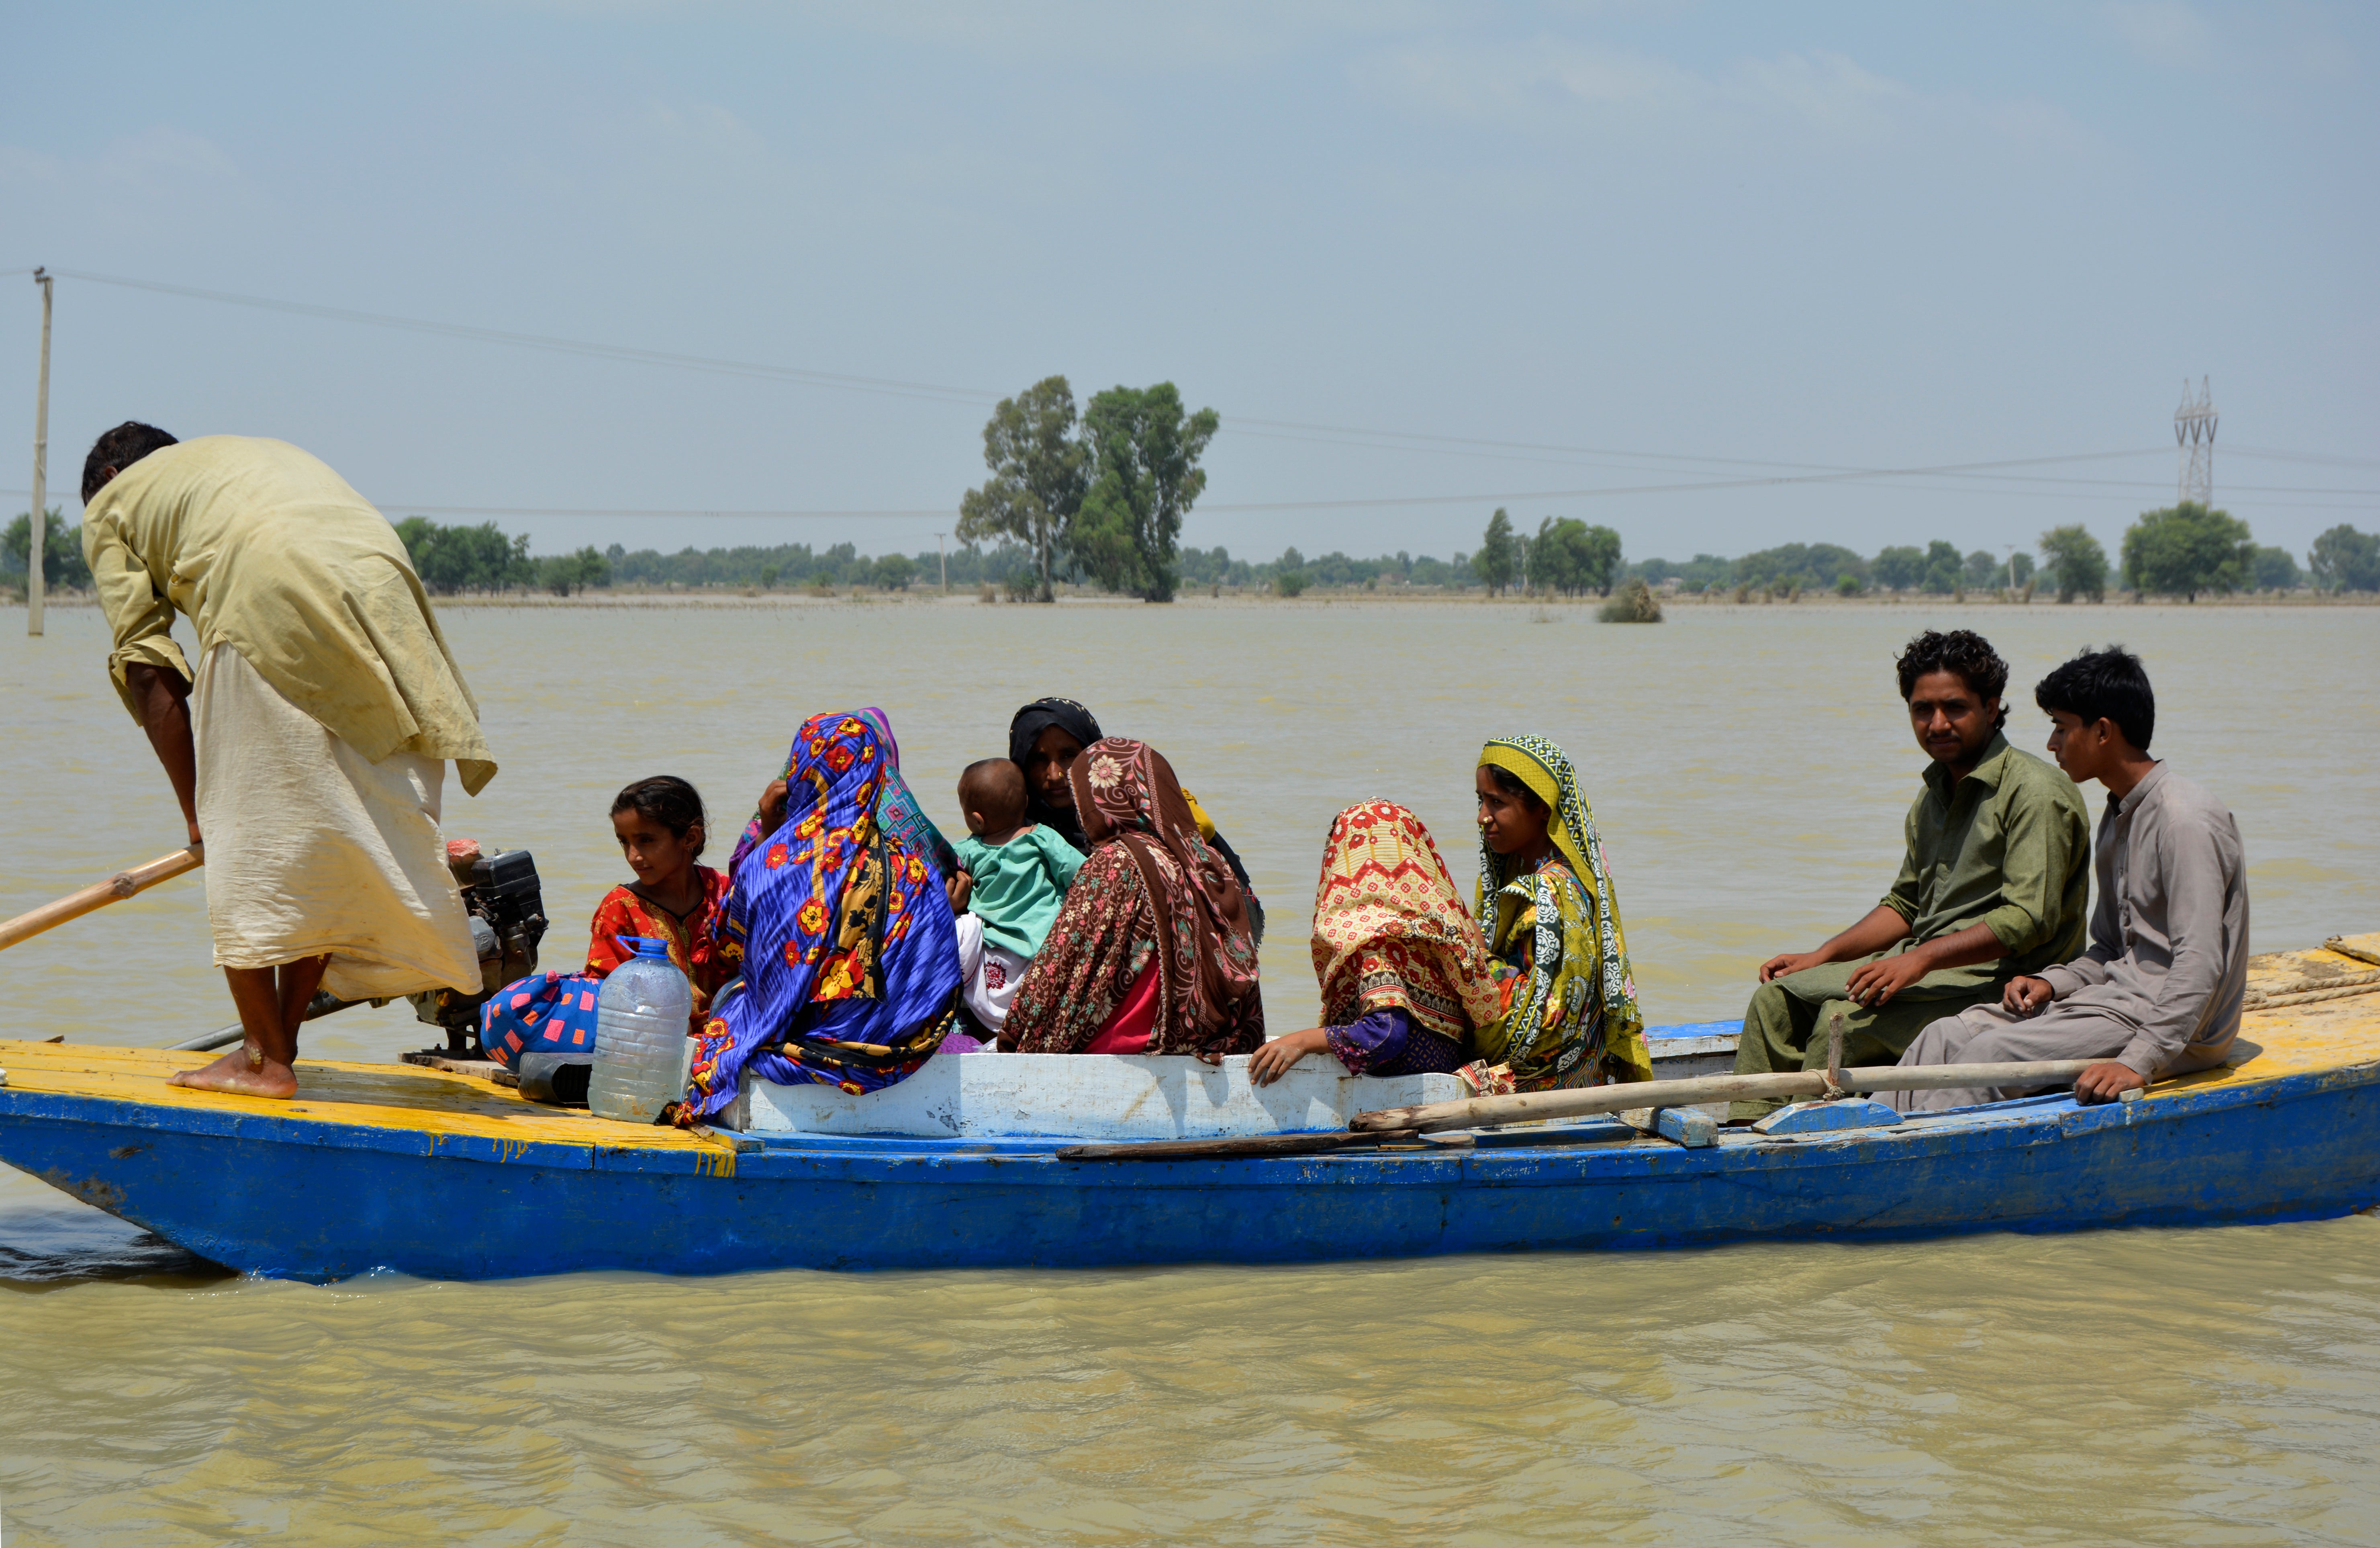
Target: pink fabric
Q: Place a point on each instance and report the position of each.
(1127, 1028)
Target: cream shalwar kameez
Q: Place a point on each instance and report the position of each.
(325, 707)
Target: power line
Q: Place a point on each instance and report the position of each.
(1326, 434)
(1287, 429)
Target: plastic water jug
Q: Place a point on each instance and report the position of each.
(641, 1049)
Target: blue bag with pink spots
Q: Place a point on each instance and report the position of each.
(544, 1012)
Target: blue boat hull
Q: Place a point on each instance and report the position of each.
(317, 1200)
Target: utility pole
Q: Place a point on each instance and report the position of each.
(39, 532)
(946, 563)
(2194, 433)
(2012, 563)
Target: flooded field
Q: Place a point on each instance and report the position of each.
(1749, 768)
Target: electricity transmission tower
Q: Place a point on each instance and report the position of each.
(2194, 433)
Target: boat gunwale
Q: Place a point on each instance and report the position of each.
(759, 1157)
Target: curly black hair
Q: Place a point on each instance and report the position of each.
(666, 800)
(120, 448)
(1961, 650)
(2104, 685)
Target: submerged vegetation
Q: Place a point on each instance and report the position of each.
(1635, 603)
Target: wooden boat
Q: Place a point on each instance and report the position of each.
(442, 1175)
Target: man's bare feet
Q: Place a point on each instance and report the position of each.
(242, 1074)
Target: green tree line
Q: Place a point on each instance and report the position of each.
(2182, 551)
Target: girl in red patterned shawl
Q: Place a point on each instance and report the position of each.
(1405, 974)
(659, 824)
(1152, 952)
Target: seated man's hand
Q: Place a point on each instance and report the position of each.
(1271, 1062)
(961, 886)
(1790, 962)
(2025, 996)
(1877, 983)
(2106, 1080)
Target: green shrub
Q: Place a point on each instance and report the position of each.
(1633, 603)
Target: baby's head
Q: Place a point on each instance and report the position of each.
(992, 793)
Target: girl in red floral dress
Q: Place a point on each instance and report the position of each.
(659, 824)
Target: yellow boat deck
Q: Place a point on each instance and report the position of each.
(429, 1101)
(2312, 1010)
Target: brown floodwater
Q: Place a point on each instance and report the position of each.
(1749, 767)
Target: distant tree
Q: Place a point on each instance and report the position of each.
(2076, 562)
(1847, 585)
(480, 559)
(1495, 563)
(1983, 571)
(1556, 556)
(895, 571)
(61, 550)
(2020, 569)
(2344, 559)
(1569, 556)
(2276, 570)
(1899, 568)
(1039, 471)
(2186, 549)
(1145, 476)
(1807, 565)
(563, 574)
(1603, 566)
(1943, 569)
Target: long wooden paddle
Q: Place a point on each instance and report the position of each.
(1480, 1111)
(1391, 1125)
(99, 895)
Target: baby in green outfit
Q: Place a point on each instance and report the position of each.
(1021, 871)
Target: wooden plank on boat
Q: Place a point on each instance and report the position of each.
(1690, 1127)
(1826, 1117)
(1083, 1096)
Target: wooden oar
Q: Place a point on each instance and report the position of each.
(1388, 1124)
(1481, 1111)
(99, 895)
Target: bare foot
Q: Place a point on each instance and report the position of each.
(236, 1072)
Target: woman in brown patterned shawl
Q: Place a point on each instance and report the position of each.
(1151, 953)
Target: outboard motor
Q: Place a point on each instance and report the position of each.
(507, 916)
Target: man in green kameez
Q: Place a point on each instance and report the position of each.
(1994, 883)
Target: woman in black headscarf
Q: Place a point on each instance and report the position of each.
(1043, 740)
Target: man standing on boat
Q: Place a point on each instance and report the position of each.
(1994, 883)
(2158, 993)
(309, 748)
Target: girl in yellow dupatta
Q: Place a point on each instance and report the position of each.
(1546, 900)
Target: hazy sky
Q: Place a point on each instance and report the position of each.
(1798, 238)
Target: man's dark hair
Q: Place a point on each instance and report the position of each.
(1961, 650)
(2104, 685)
(666, 800)
(119, 449)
